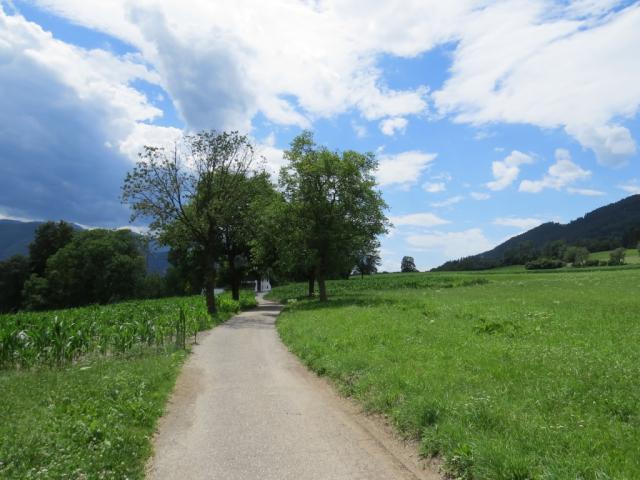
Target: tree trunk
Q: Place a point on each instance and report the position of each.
(322, 287)
(210, 285)
(235, 277)
(312, 285)
(235, 288)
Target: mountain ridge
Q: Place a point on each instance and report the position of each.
(606, 227)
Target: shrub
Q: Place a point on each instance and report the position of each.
(544, 264)
(592, 263)
(616, 257)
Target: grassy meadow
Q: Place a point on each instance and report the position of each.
(504, 375)
(81, 389)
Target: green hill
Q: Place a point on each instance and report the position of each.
(606, 228)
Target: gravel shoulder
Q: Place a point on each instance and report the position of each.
(245, 408)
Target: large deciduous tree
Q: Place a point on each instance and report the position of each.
(333, 208)
(48, 239)
(191, 191)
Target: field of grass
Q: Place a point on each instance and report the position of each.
(503, 375)
(82, 388)
(632, 256)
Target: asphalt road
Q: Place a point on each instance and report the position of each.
(245, 408)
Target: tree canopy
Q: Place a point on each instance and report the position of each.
(196, 196)
(332, 208)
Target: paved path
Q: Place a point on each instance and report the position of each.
(244, 408)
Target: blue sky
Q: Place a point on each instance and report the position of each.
(487, 117)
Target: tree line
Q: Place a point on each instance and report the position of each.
(555, 254)
(210, 200)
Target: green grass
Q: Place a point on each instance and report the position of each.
(632, 257)
(92, 414)
(505, 376)
(92, 421)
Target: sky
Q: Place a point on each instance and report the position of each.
(487, 117)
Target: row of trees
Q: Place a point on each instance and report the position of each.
(67, 267)
(210, 200)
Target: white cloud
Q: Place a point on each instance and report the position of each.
(506, 171)
(448, 202)
(561, 174)
(145, 134)
(480, 196)
(585, 191)
(632, 187)
(273, 155)
(223, 62)
(434, 187)
(515, 61)
(360, 130)
(533, 69)
(390, 126)
(403, 168)
(70, 117)
(452, 244)
(425, 219)
(521, 223)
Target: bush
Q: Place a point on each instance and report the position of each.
(544, 264)
(592, 263)
(616, 257)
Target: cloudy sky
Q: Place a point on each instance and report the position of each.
(487, 117)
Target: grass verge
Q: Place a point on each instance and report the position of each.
(521, 376)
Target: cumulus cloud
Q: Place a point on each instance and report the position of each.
(390, 126)
(425, 219)
(404, 168)
(561, 174)
(69, 121)
(506, 171)
(534, 70)
(520, 223)
(448, 201)
(452, 244)
(224, 61)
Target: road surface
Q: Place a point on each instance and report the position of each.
(244, 408)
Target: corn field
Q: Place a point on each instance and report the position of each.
(63, 336)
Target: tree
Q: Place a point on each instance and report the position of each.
(408, 265)
(554, 250)
(336, 209)
(367, 261)
(49, 238)
(188, 191)
(616, 257)
(577, 256)
(13, 273)
(97, 266)
(239, 224)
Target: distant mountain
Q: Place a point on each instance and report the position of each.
(15, 237)
(616, 224)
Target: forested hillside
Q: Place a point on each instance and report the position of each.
(614, 225)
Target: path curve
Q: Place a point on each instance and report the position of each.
(244, 408)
